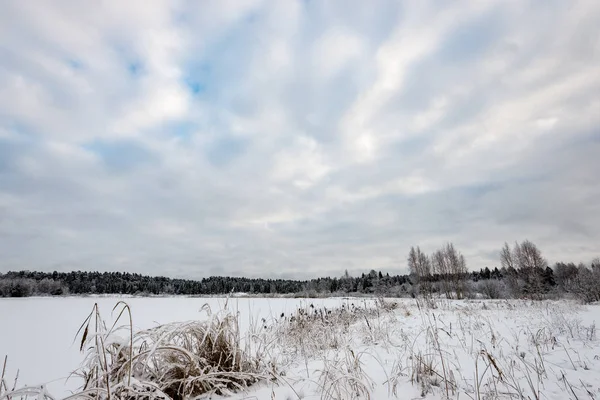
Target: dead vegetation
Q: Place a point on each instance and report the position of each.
(450, 350)
(173, 361)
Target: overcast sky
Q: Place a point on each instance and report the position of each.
(295, 138)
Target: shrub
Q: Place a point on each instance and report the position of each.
(492, 289)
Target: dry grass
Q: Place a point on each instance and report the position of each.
(332, 329)
(39, 392)
(332, 351)
(173, 361)
(343, 377)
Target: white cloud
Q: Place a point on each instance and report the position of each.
(156, 105)
(334, 50)
(412, 41)
(321, 137)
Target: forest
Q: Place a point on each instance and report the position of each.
(524, 273)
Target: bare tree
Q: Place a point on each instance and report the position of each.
(587, 283)
(517, 256)
(566, 275)
(449, 264)
(442, 270)
(420, 268)
(458, 270)
(506, 257)
(530, 257)
(527, 260)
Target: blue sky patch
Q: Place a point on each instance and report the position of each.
(121, 155)
(75, 63)
(135, 68)
(225, 149)
(471, 39)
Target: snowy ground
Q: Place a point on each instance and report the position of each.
(460, 349)
(37, 333)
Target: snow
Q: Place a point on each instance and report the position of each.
(37, 333)
(548, 349)
(545, 350)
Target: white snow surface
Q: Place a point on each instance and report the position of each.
(38, 333)
(541, 349)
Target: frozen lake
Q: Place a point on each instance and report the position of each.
(38, 333)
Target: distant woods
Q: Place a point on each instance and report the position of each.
(523, 273)
(26, 283)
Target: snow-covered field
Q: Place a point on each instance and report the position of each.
(37, 333)
(459, 349)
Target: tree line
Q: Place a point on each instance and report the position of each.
(31, 283)
(524, 273)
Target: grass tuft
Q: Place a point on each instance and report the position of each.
(176, 361)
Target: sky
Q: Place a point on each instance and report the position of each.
(295, 138)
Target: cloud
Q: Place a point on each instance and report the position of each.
(294, 138)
